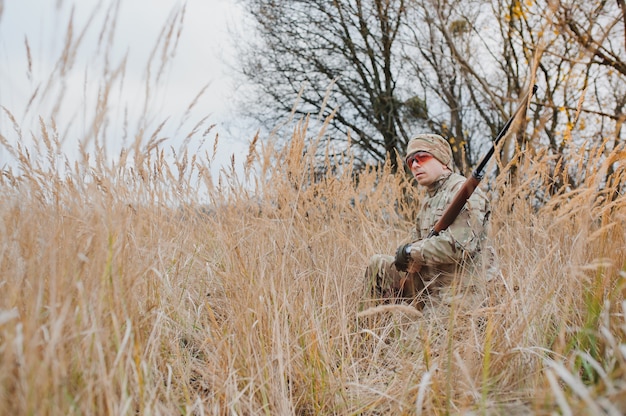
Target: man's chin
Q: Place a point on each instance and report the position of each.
(423, 181)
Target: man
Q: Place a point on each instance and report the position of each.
(435, 269)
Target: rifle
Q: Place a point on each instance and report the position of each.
(466, 191)
(463, 194)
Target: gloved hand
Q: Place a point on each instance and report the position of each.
(403, 258)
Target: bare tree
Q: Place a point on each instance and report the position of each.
(396, 67)
(470, 78)
(598, 29)
(575, 51)
(337, 57)
(474, 59)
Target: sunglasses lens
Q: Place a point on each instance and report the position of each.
(419, 157)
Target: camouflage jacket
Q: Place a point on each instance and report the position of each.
(443, 255)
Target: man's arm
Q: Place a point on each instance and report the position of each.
(462, 238)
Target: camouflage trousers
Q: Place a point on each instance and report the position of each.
(385, 284)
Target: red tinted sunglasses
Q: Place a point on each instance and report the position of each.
(419, 157)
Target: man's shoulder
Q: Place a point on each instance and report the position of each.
(453, 182)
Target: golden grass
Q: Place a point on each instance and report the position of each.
(124, 292)
(147, 285)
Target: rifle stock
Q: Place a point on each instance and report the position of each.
(455, 207)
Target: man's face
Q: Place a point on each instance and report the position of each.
(425, 168)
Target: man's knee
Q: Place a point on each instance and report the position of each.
(381, 276)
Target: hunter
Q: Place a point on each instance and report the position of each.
(427, 271)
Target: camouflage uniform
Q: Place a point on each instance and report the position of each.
(452, 253)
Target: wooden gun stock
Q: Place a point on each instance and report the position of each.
(455, 207)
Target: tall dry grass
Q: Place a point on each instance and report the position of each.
(124, 291)
(149, 285)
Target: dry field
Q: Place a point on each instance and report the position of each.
(124, 291)
(147, 285)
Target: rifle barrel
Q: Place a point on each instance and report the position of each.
(479, 172)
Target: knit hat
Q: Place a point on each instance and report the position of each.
(433, 144)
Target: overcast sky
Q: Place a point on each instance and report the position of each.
(204, 57)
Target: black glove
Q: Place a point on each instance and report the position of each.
(403, 258)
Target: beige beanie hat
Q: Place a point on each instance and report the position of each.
(433, 144)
